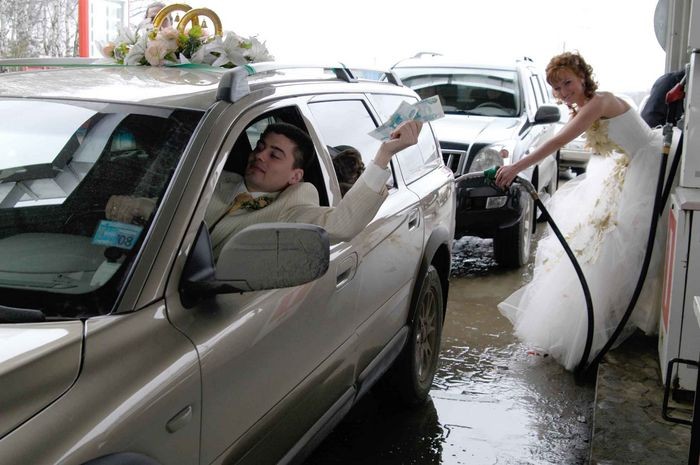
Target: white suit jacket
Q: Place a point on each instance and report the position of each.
(298, 203)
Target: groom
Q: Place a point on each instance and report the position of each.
(272, 189)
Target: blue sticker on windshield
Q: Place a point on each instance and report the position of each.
(116, 234)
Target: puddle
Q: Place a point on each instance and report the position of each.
(493, 401)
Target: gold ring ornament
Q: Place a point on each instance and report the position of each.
(165, 12)
(192, 16)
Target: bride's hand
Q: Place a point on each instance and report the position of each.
(505, 176)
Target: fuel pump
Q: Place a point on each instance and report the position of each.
(679, 332)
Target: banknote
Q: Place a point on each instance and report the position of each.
(424, 111)
(405, 112)
(428, 109)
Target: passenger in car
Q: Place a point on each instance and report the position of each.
(348, 166)
(272, 189)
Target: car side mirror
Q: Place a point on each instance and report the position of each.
(547, 114)
(261, 256)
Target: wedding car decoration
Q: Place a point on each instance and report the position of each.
(150, 44)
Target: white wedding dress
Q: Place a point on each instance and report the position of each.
(605, 217)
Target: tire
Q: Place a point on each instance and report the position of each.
(414, 370)
(511, 246)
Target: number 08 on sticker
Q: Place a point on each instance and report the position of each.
(115, 234)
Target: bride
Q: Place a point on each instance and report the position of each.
(604, 216)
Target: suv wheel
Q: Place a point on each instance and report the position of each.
(511, 246)
(413, 373)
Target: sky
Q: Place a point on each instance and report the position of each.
(616, 37)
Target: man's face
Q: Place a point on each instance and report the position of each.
(270, 165)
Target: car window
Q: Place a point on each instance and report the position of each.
(347, 123)
(248, 139)
(536, 90)
(529, 94)
(544, 93)
(414, 161)
(63, 161)
(473, 91)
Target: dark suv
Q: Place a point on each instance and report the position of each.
(494, 115)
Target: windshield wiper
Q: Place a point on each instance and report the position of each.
(20, 315)
(462, 112)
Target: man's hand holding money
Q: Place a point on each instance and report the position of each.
(426, 110)
(405, 135)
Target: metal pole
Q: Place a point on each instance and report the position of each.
(84, 28)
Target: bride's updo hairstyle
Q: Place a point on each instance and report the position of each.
(575, 63)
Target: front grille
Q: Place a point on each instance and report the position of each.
(458, 157)
(454, 159)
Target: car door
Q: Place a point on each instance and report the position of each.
(389, 249)
(272, 362)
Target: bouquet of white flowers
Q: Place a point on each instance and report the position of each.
(145, 45)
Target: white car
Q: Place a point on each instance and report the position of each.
(494, 115)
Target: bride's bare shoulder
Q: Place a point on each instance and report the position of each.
(610, 104)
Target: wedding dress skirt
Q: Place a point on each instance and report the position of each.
(605, 217)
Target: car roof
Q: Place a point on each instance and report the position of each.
(189, 86)
(431, 60)
(181, 87)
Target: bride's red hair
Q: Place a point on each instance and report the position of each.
(575, 63)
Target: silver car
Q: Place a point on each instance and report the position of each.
(125, 343)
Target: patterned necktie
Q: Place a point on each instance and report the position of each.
(247, 201)
(238, 201)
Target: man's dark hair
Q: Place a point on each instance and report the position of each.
(305, 146)
(348, 166)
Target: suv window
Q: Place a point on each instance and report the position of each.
(67, 160)
(347, 123)
(536, 91)
(414, 161)
(474, 91)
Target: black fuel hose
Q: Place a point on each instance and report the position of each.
(490, 175)
(659, 203)
(663, 188)
(578, 372)
(585, 369)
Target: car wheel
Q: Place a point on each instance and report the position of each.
(413, 372)
(511, 246)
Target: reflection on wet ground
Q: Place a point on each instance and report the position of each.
(493, 400)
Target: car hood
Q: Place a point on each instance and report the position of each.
(464, 129)
(38, 363)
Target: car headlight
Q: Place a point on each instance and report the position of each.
(492, 155)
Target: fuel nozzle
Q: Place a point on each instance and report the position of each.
(490, 178)
(490, 175)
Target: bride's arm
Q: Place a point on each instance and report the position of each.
(596, 108)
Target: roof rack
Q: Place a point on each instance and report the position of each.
(422, 54)
(234, 83)
(55, 61)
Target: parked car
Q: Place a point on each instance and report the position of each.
(127, 343)
(575, 155)
(494, 115)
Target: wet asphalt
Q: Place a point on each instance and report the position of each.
(493, 401)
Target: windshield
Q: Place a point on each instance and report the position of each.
(61, 162)
(472, 91)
